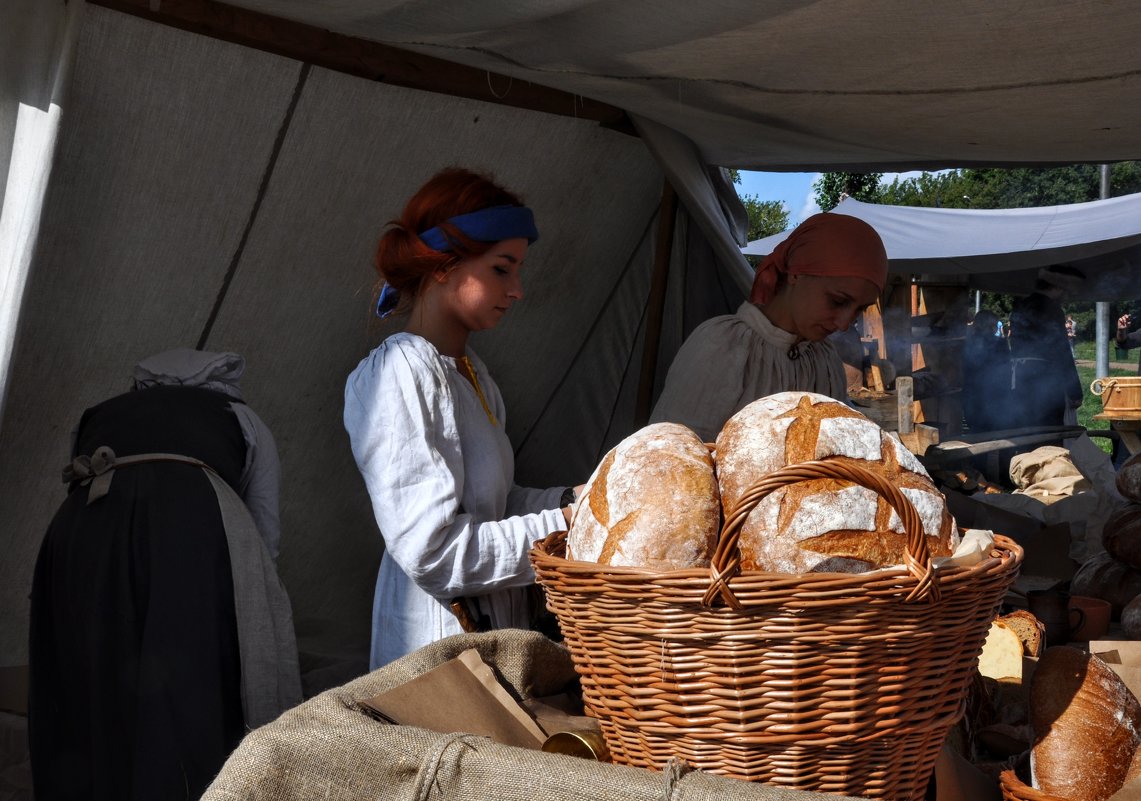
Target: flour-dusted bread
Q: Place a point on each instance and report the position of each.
(823, 525)
(1087, 726)
(1129, 478)
(652, 503)
(1131, 619)
(1121, 535)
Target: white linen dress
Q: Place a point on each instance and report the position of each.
(440, 473)
(730, 361)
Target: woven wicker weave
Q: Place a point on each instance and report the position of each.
(830, 682)
(1014, 789)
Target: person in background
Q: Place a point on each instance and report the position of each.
(986, 371)
(426, 423)
(1071, 334)
(1128, 339)
(815, 283)
(160, 632)
(1044, 378)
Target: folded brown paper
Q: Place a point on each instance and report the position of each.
(1130, 792)
(461, 695)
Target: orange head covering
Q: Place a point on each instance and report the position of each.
(824, 244)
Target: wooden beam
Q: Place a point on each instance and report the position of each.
(366, 59)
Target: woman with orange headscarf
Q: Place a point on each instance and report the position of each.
(812, 285)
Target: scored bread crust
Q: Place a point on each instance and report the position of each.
(1087, 726)
(823, 524)
(652, 502)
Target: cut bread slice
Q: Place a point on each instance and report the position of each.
(1030, 630)
(1001, 658)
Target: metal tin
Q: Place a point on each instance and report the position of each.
(585, 743)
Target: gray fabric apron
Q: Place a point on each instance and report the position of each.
(271, 677)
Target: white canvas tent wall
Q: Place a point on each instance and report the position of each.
(1003, 249)
(206, 192)
(155, 175)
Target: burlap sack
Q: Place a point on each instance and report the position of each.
(328, 749)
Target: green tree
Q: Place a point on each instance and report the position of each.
(1023, 187)
(948, 190)
(831, 186)
(766, 217)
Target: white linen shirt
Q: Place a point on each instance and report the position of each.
(440, 475)
(730, 361)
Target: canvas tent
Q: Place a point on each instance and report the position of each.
(180, 172)
(1002, 250)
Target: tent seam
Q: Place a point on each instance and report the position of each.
(267, 174)
(590, 331)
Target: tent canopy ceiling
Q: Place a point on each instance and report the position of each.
(1003, 249)
(795, 84)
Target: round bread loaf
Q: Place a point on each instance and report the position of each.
(1087, 726)
(1131, 619)
(1129, 478)
(1121, 535)
(1104, 577)
(652, 503)
(824, 525)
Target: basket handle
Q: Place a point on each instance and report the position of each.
(726, 561)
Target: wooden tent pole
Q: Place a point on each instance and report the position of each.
(655, 303)
(364, 58)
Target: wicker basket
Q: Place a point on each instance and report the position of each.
(1014, 789)
(843, 683)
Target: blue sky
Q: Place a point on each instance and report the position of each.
(793, 189)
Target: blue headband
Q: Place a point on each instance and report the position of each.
(486, 225)
(492, 224)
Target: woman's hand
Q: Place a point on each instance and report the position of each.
(568, 511)
(1122, 326)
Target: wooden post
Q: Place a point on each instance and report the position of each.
(896, 313)
(655, 304)
(941, 353)
(904, 395)
(871, 327)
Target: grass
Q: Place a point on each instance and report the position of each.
(1091, 404)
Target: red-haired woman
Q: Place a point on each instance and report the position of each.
(426, 423)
